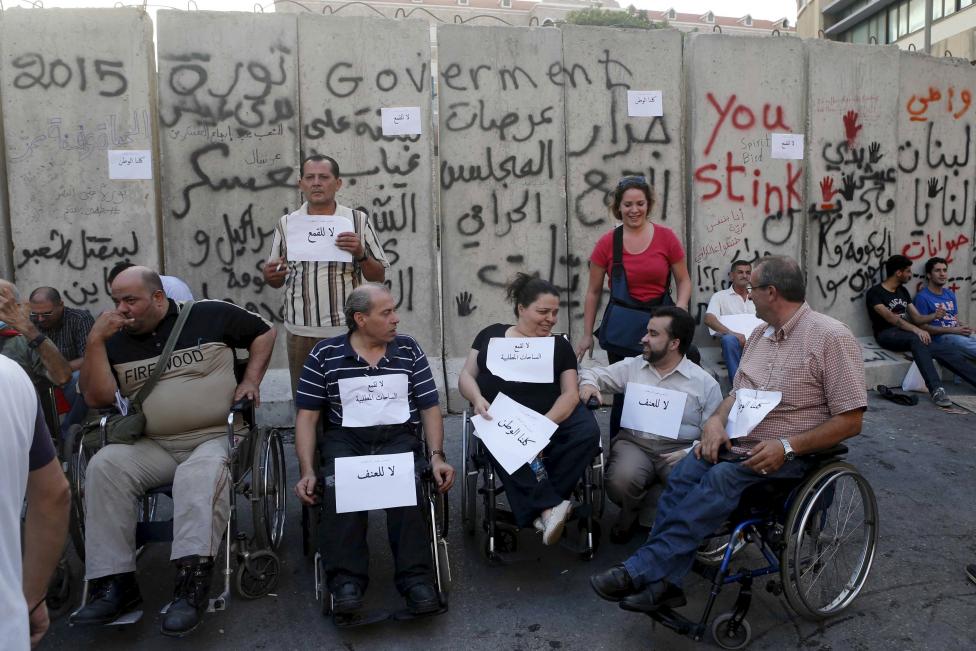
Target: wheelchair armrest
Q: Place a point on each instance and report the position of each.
(838, 450)
(241, 406)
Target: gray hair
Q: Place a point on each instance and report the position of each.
(361, 300)
(785, 275)
(13, 289)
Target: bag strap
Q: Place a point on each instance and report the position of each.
(618, 276)
(164, 357)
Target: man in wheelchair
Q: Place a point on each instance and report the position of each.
(800, 389)
(184, 443)
(376, 389)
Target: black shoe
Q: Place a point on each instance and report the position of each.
(347, 598)
(422, 598)
(191, 597)
(109, 597)
(613, 584)
(659, 594)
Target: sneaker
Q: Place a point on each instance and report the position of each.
(971, 572)
(554, 524)
(109, 598)
(940, 398)
(191, 596)
(539, 526)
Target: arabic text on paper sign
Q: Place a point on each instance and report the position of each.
(521, 359)
(515, 434)
(786, 146)
(368, 401)
(645, 103)
(652, 409)
(130, 165)
(312, 238)
(370, 482)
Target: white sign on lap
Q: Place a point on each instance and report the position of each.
(521, 359)
(515, 434)
(750, 408)
(744, 324)
(376, 481)
(654, 410)
(311, 238)
(369, 401)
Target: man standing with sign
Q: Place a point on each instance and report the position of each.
(376, 390)
(656, 430)
(325, 265)
(806, 369)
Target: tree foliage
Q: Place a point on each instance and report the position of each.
(604, 17)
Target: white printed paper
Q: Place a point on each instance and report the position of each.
(521, 359)
(515, 434)
(751, 406)
(741, 323)
(311, 238)
(377, 481)
(401, 121)
(369, 401)
(645, 103)
(787, 146)
(129, 164)
(654, 410)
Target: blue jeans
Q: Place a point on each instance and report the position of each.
(76, 415)
(731, 353)
(962, 343)
(699, 497)
(941, 349)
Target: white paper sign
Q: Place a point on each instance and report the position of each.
(645, 103)
(311, 238)
(369, 401)
(787, 146)
(515, 434)
(377, 481)
(741, 323)
(521, 359)
(401, 121)
(751, 406)
(129, 164)
(654, 410)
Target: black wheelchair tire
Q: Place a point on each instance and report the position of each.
(720, 629)
(78, 458)
(268, 494)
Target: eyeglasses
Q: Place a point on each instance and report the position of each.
(749, 288)
(631, 180)
(46, 315)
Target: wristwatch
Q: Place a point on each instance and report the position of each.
(440, 452)
(788, 452)
(36, 341)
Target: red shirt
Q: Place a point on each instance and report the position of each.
(647, 272)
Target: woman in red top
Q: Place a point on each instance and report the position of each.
(651, 252)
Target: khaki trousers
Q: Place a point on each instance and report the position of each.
(298, 349)
(637, 475)
(118, 475)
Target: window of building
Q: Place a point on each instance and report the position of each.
(463, 3)
(672, 14)
(709, 17)
(892, 24)
(965, 3)
(506, 4)
(937, 9)
(916, 15)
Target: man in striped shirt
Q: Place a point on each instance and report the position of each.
(315, 292)
(333, 380)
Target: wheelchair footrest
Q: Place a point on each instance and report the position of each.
(675, 621)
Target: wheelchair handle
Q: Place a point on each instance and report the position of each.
(593, 403)
(240, 406)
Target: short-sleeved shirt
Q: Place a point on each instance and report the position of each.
(728, 302)
(896, 301)
(192, 397)
(647, 272)
(71, 335)
(815, 362)
(334, 359)
(538, 397)
(13, 345)
(315, 292)
(927, 301)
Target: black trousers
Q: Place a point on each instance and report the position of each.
(342, 536)
(569, 452)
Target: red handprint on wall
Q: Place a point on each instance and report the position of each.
(827, 192)
(851, 127)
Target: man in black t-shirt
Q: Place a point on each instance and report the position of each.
(893, 319)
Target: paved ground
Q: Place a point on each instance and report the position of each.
(920, 461)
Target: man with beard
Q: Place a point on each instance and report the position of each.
(640, 461)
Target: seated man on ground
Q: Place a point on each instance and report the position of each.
(537, 493)
(371, 349)
(24, 343)
(893, 319)
(940, 310)
(640, 461)
(815, 364)
(184, 443)
(733, 300)
(68, 328)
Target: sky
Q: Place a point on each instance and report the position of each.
(759, 9)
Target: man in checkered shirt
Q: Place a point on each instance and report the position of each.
(815, 363)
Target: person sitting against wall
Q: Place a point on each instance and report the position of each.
(730, 301)
(23, 342)
(638, 258)
(537, 496)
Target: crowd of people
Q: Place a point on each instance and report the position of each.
(675, 486)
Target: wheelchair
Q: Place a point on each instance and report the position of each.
(479, 477)
(817, 535)
(256, 465)
(435, 509)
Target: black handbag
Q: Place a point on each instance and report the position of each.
(130, 427)
(624, 321)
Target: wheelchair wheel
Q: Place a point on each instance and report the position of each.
(726, 637)
(831, 536)
(77, 466)
(469, 479)
(598, 494)
(268, 493)
(257, 575)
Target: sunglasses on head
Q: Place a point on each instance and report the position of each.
(631, 180)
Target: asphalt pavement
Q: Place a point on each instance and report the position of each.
(919, 460)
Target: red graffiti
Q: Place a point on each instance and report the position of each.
(827, 192)
(934, 246)
(744, 118)
(766, 191)
(918, 105)
(851, 127)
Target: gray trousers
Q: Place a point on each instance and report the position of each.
(637, 474)
(119, 474)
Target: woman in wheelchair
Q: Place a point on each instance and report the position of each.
(537, 493)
